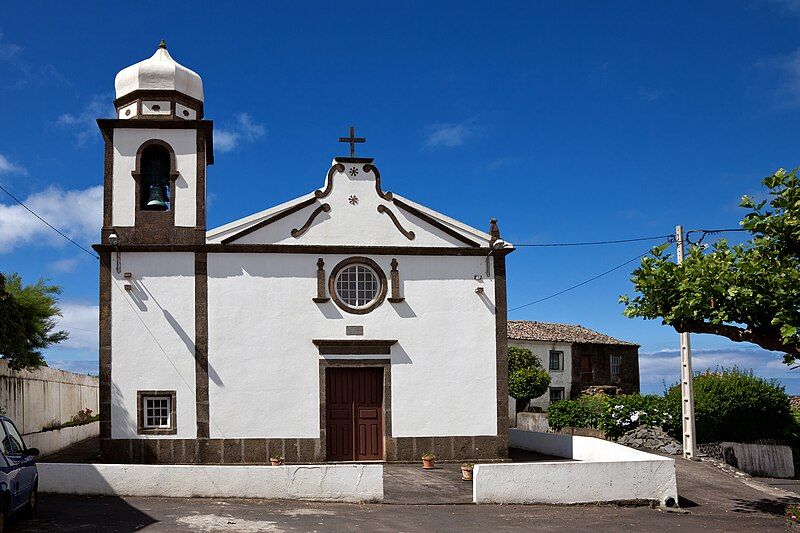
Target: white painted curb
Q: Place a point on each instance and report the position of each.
(600, 471)
(346, 483)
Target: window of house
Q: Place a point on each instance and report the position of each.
(156, 414)
(615, 362)
(556, 360)
(357, 285)
(556, 394)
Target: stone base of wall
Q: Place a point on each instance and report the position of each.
(306, 451)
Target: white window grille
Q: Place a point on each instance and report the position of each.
(357, 286)
(616, 360)
(556, 359)
(157, 412)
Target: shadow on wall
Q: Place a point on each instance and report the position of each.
(120, 413)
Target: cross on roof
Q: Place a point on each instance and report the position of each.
(352, 140)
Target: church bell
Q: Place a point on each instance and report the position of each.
(157, 198)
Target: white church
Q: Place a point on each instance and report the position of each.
(349, 324)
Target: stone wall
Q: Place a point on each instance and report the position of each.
(628, 378)
(32, 399)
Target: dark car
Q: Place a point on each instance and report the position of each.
(19, 479)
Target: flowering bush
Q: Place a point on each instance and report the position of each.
(623, 413)
(614, 415)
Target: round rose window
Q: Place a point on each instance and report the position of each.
(358, 285)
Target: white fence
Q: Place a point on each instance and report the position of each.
(32, 399)
(343, 482)
(599, 471)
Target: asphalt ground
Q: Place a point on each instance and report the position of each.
(711, 499)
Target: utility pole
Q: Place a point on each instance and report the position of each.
(687, 387)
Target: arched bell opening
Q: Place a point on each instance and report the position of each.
(155, 179)
(155, 176)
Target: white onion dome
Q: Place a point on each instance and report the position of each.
(159, 72)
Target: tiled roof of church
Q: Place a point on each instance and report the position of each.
(546, 331)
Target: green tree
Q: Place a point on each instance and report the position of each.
(27, 321)
(747, 292)
(526, 377)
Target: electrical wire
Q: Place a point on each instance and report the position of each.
(593, 243)
(46, 222)
(582, 283)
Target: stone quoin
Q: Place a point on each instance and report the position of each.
(347, 324)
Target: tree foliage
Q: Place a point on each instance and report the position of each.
(733, 405)
(27, 321)
(526, 377)
(747, 292)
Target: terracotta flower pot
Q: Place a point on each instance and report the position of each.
(466, 473)
(276, 462)
(427, 464)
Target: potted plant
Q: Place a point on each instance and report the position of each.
(277, 460)
(466, 471)
(428, 460)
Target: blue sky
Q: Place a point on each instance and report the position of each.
(568, 121)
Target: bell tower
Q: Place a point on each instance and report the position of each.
(156, 153)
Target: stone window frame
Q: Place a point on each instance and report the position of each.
(560, 354)
(556, 389)
(358, 260)
(618, 364)
(140, 412)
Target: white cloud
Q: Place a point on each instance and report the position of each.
(65, 265)
(8, 50)
(84, 124)
(244, 130)
(788, 85)
(77, 213)
(664, 366)
(7, 167)
(650, 95)
(449, 134)
(81, 321)
(79, 366)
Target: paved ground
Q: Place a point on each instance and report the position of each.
(791, 485)
(714, 500)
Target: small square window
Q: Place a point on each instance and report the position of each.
(156, 413)
(556, 394)
(616, 360)
(556, 360)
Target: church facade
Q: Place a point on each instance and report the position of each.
(349, 324)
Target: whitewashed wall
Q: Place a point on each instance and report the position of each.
(126, 143)
(33, 398)
(162, 300)
(557, 379)
(264, 369)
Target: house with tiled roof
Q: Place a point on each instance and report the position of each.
(577, 358)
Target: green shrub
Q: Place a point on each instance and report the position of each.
(623, 413)
(733, 405)
(527, 379)
(583, 412)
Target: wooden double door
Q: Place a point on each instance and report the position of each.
(354, 414)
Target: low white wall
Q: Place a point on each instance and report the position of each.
(601, 471)
(53, 441)
(348, 483)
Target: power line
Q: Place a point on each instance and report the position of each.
(46, 222)
(594, 243)
(582, 283)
